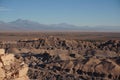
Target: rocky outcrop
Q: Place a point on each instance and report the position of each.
(47, 66)
(54, 58)
(12, 68)
(52, 43)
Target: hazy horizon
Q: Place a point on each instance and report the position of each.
(75, 12)
(27, 25)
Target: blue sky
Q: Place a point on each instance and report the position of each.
(77, 12)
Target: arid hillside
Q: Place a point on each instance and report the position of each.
(66, 55)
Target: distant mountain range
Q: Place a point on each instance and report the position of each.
(26, 25)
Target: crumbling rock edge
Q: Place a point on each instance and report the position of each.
(12, 68)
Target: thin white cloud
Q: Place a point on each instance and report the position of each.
(4, 9)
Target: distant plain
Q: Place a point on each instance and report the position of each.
(13, 36)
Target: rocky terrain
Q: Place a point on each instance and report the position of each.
(12, 68)
(54, 58)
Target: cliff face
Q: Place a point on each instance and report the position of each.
(12, 68)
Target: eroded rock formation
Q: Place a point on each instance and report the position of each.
(12, 68)
(54, 58)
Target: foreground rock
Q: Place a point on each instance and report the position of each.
(11, 68)
(47, 66)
